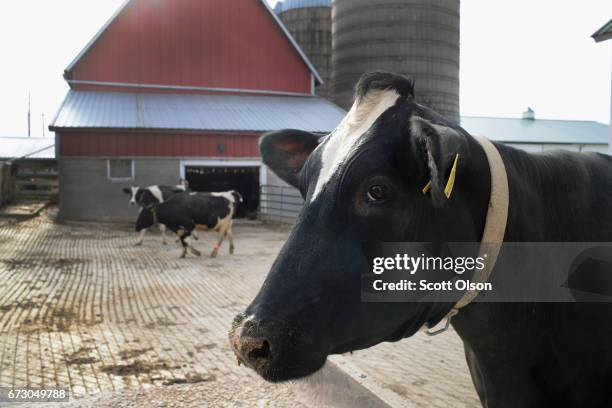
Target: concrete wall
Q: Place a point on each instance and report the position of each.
(86, 193)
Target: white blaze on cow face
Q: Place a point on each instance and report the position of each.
(347, 137)
(133, 198)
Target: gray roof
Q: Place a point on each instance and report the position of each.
(27, 147)
(604, 33)
(510, 130)
(285, 5)
(264, 3)
(123, 110)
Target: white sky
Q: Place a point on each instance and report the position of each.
(514, 54)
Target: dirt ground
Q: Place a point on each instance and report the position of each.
(82, 308)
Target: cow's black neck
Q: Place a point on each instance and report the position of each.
(525, 346)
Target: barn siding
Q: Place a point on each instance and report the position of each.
(87, 194)
(169, 144)
(213, 43)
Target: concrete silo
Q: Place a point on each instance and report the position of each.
(419, 38)
(309, 22)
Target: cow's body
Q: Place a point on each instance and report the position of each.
(184, 212)
(364, 183)
(155, 194)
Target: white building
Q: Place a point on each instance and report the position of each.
(603, 34)
(537, 135)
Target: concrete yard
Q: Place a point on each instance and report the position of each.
(119, 325)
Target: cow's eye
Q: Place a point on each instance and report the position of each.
(378, 193)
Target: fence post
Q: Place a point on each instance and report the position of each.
(282, 202)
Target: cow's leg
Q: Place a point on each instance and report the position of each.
(192, 249)
(162, 228)
(140, 237)
(181, 237)
(222, 233)
(194, 235)
(184, 244)
(230, 237)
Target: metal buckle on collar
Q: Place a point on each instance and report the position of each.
(449, 316)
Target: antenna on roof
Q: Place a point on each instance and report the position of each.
(28, 114)
(43, 124)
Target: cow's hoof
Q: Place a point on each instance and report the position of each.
(231, 251)
(213, 254)
(196, 252)
(138, 244)
(164, 243)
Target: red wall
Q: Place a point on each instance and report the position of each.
(157, 144)
(205, 43)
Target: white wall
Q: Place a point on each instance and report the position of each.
(610, 141)
(535, 148)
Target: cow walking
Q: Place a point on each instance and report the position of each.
(184, 212)
(386, 174)
(155, 194)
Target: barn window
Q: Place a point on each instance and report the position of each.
(120, 169)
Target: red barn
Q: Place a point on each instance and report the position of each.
(172, 89)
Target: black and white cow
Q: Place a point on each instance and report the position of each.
(364, 183)
(155, 194)
(183, 213)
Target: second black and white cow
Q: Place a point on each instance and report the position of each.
(155, 194)
(182, 213)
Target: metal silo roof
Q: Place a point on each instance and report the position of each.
(294, 4)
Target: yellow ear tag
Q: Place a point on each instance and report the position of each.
(448, 189)
(451, 178)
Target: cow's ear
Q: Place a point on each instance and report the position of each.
(286, 151)
(126, 190)
(436, 149)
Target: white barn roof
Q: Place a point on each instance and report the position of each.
(540, 131)
(122, 110)
(27, 148)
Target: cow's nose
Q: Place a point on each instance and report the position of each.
(250, 347)
(255, 352)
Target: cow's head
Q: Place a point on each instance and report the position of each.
(237, 197)
(362, 183)
(142, 197)
(183, 185)
(132, 191)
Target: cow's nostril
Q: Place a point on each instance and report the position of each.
(262, 352)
